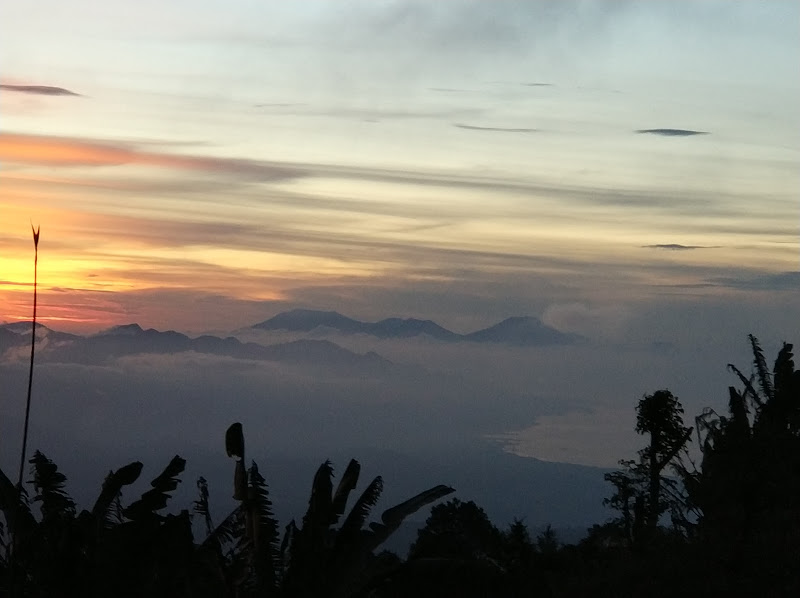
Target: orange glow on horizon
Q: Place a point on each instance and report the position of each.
(116, 231)
(68, 152)
(59, 152)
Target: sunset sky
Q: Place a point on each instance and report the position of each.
(202, 165)
(628, 171)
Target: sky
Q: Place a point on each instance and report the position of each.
(228, 155)
(627, 171)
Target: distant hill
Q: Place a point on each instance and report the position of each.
(408, 327)
(522, 331)
(568, 496)
(517, 331)
(132, 339)
(306, 320)
(18, 334)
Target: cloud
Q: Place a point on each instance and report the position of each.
(450, 90)
(672, 132)
(145, 394)
(781, 281)
(15, 283)
(42, 90)
(278, 105)
(398, 113)
(462, 394)
(72, 152)
(593, 321)
(66, 152)
(678, 246)
(502, 129)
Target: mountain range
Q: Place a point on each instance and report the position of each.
(522, 331)
(132, 339)
(414, 424)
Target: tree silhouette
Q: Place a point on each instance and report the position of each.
(661, 416)
(459, 530)
(642, 492)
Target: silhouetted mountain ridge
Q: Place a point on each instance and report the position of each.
(132, 339)
(18, 334)
(522, 331)
(518, 330)
(306, 320)
(129, 329)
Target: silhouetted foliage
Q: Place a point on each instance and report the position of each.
(108, 551)
(459, 530)
(137, 551)
(747, 492)
(642, 492)
(735, 524)
(316, 557)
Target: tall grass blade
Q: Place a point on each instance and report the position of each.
(35, 232)
(33, 351)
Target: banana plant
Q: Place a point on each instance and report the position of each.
(108, 550)
(321, 555)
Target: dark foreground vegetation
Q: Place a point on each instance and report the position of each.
(727, 525)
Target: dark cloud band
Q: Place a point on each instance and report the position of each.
(42, 90)
(675, 246)
(672, 132)
(501, 129)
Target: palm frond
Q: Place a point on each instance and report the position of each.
(396, 515)
(346, 485)
(112, 487)
(318, 516)
(361, 509)
(393, 517)
(289, 534)
(167, 480)
(48, 483)
(352, 542)
(234, 441)
(14, 506)
(266, 526)
(708, 422)
(748, 385)
(783, 370)
(156, 498)
(764, 375)
(234, 446)
(229, 530)
(263, 529)
(738, 410)
(201, 505)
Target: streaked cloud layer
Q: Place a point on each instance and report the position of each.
(257, 155)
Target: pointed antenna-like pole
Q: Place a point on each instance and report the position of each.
(33, 349)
